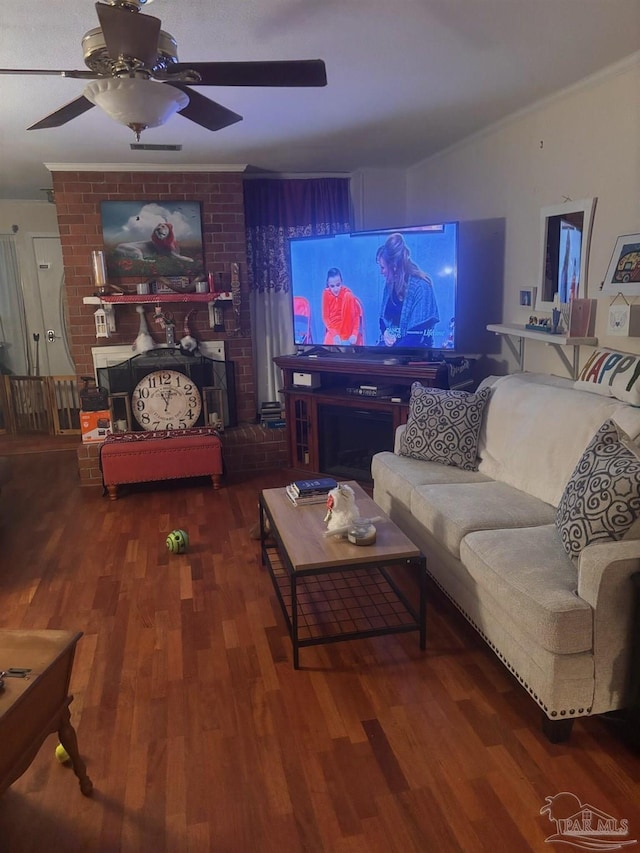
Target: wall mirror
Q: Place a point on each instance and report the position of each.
(566, 235)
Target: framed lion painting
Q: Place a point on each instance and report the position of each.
(157, 238)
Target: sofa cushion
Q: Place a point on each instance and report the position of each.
(535, 429)
(399, 475)
(613, 374)
(443, 426)
(540, 593)
(449, 512)
(602, 498)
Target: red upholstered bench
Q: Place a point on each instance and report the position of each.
(142, 457)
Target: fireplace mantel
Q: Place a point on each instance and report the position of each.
(109, 356)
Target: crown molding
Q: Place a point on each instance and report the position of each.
(146, 167)
(592, 80)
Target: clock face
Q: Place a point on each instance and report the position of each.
(166, 399)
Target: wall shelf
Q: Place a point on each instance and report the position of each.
(520, 332)
(155, 298)
(106, 302)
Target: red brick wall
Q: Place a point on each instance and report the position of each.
(78, 196)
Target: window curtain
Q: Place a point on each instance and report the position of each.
(276, 210)
(14, 354)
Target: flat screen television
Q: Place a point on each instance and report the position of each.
(392, 289)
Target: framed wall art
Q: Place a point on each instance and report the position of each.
(623, 273)
(147, 239)
(619, 317)
(527, 297)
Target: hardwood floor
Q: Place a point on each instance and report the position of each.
(199, 735)
(17, 444)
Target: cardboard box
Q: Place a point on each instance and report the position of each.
(95, 426)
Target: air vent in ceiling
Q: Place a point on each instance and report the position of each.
(140, 146)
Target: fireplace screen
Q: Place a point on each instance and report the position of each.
(214, 380)
(350, 437)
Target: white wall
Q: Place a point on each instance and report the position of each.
(582, 143)
(379, 198)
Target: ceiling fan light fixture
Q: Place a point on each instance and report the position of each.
(136, 102)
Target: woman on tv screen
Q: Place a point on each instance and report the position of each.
(409, 310)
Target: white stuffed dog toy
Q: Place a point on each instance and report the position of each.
(341, 507)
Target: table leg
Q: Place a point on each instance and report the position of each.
(422, 569)
(294, 622)
(69, 740)
(262, 534)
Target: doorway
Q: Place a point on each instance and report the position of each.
(38, 393)
(51, 355)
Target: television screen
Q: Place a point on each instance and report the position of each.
(388, 288)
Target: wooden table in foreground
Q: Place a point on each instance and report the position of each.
(330, 589)
(33, 707)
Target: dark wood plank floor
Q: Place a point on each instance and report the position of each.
(198, 734)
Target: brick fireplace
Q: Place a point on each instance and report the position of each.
(77, 197)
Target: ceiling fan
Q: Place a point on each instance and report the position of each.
(138, 81)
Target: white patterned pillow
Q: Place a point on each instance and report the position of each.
(443, 426)
(602, 498)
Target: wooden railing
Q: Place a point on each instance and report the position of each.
(39, 404)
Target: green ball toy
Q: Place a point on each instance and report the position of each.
(178, 541)
(62, 755)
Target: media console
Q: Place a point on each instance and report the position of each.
(329, 430)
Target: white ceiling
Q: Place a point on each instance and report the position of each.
(405, 78)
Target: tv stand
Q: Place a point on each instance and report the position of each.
(336, 375)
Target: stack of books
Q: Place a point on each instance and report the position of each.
(302, 492)
(271, 415)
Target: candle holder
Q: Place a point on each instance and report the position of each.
(98, 269)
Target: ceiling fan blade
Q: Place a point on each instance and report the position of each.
(291, 72)
(129, 33)
(76, 75)
(204, 111)
(69, 111)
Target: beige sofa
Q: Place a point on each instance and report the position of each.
(561, 625)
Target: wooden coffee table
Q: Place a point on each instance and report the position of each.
(331, 590)
(37, 704)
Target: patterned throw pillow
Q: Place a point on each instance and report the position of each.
(443, 426)
(602, 498)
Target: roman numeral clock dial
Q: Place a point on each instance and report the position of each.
(166, 399)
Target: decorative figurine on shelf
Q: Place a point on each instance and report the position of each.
(166, 322)
(144, 342)
(341, 508)
(188, 344)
